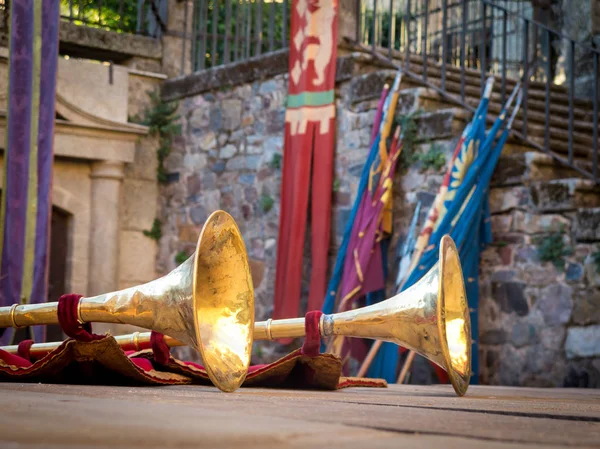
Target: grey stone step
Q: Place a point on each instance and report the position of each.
(587, 224)
(564, 195)
(519, 165)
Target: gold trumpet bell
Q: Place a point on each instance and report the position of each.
(431, 318)
(207, 303)
(223, 303)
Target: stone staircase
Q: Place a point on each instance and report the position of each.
(558, 108)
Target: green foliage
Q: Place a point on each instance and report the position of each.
(181, 257)
(434, 157)
(553, 249)
(409, 131)
(276, 161)
(117, 15)
(336, 185)
(161, 117)
(266, 203)
(155, 233)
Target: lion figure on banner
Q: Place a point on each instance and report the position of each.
(319, 24)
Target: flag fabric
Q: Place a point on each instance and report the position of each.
(363, 267)
(366, 180)
(308, 151)
(364, 252)
(461, 210)
(26, 206)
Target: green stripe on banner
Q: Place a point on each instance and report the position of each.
(311, 99)
(30, 224)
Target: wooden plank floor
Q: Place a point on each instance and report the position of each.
(401, 416)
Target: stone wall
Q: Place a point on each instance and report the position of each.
(228, 157)
(535, 320)
(539, 315)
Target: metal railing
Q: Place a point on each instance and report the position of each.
(225, 31)
(452, 45)
(146, 17)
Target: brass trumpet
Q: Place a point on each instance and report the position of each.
(215, 314)
(207, 302)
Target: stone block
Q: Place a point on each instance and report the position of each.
(523, 334)
(493, 337)
(510, 170)
(408, 101)
(231, 112)
(227, 152)
(194, 161)
(198, 214)
(574, 272)
(199, 120)
(552, 337)
(556, 304)
(506, 199)
(501, 223)
(592, 270)
(510, 296)
(236, 163)
(587, 307)
(215, 119)
(269, 86)
(207, 141)
(588, 224)
(137, 257)
(139, 204)
(503, 275)
(527, 254)
(435, 125)
(553, 196)
(564, 195)
(275, 121)
(366, 87)
(145, 162)
(222, 139)
(534, 224)
(583, 342)
(189, 233)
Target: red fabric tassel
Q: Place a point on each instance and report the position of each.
(312, 340)
(162, 353)
(24, 349)
(69, 322)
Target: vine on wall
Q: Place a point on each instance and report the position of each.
(161, 117)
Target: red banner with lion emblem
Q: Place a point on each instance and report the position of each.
(308, 154)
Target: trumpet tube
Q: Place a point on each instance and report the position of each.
(135, 306)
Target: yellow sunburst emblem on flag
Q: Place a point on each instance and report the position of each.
(459, 170)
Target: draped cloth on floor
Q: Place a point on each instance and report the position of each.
(87, 358)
